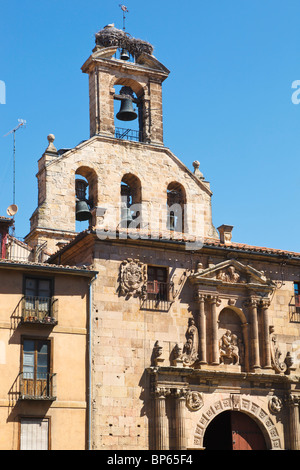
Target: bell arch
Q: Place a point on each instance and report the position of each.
(176, 203)
(244, 404)
(86, 194)
(129, 109)
(131, 201)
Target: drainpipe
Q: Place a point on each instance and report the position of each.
(90, 362)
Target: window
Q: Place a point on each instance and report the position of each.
(297, 295)
(36, 377)
(37, 299)
(34, 434)
(157, 285)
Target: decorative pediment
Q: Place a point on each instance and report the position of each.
(231, 273)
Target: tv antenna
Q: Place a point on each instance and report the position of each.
(124, 10)
(22, 123)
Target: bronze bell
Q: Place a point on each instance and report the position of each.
(126, 112)
(82, 211)
(126, 217)
(124, 55)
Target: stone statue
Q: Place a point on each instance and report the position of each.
(190, 349)
(229, 350)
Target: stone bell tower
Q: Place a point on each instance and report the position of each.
(121, 159)
(119, 59)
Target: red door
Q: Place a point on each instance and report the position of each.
(233, 430)
(246, 435)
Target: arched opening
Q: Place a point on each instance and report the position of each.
(233, 338)
(176, 201)
(233, 430)
(85, 196)
(129, 110)
(131, 201)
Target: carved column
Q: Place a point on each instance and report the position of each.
(245, 329)
(202, 329)
(180, 400)
(161, 422)
(254, 341)
(266, 335)
(214, 324)
(294, 423)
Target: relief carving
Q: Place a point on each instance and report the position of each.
(194, 400)
(229, 275)
(277, 364)
(275, 404)
(133, 278)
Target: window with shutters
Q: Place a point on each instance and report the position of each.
(34, 434)
(36, 377)
(295, 304)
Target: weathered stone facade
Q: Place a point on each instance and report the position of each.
(222, 336)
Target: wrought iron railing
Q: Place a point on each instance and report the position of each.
(42, 310)
(37, 386)
(158, 296)
(295, 309)
(128, 134)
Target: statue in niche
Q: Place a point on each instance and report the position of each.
(190, 349)
(229, 350)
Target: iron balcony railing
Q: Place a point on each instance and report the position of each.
(128, 134)
(37, 386)
(42, 310)
(158, 296)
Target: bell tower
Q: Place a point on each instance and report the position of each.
(121, 60)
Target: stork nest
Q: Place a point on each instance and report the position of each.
(111, 36)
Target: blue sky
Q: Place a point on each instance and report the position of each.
(227, 101)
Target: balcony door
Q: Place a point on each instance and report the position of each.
(37, 297)
(36, 368)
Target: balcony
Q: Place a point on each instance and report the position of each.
(294, 307)
(128, 134)
(39, 387)
(159, 296)
(39, 310)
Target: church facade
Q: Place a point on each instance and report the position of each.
(194, 338)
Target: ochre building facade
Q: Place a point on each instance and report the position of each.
(194, 339)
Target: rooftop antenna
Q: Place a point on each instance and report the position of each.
(124, 10)
(22, 123)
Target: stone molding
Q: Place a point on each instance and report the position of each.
(236, 402)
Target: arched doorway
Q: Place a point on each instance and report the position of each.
(233, 430)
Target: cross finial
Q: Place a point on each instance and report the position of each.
(124, 10)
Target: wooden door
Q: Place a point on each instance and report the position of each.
(246, 435)
(233, 430)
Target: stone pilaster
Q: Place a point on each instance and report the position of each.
(266, 335)
(254, 340)
(180, 401)
(161, 422)
(202, 328)
(292, 402)
(214, 329)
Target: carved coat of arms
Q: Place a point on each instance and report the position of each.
(133, 278)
